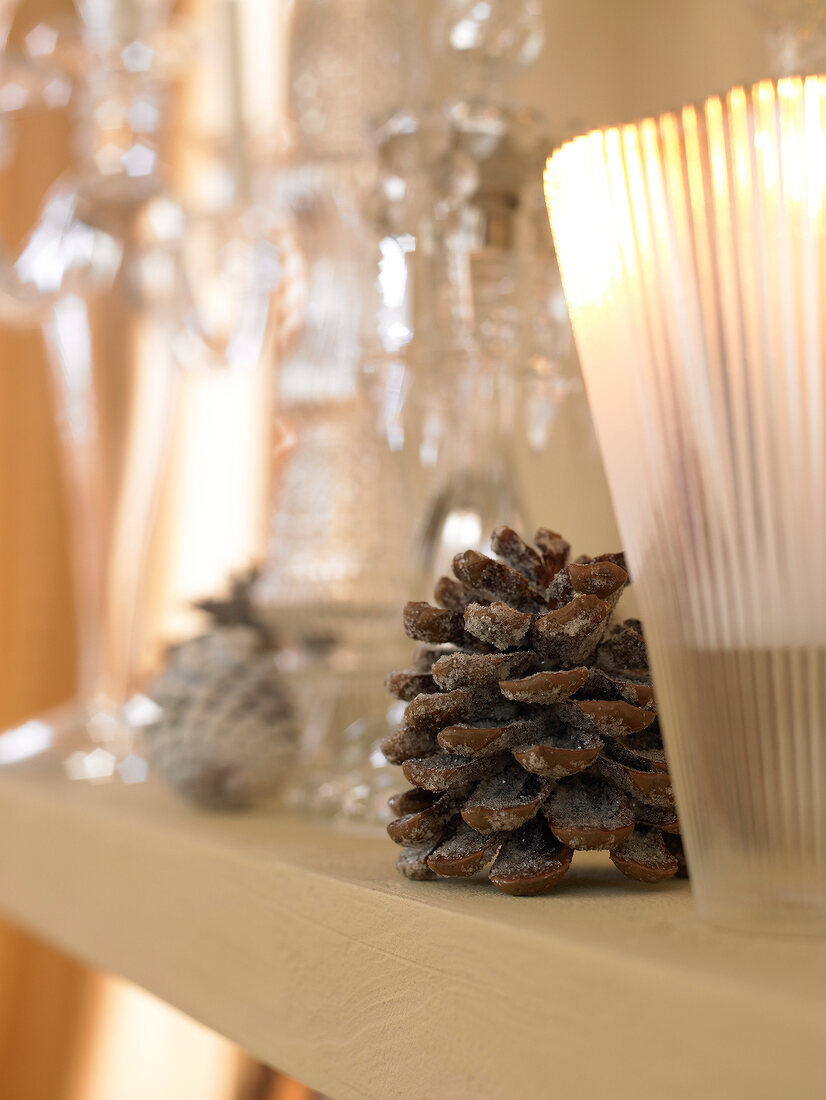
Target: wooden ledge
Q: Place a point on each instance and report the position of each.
(304, 946)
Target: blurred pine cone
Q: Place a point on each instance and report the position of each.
(530, 730)
(226, 733)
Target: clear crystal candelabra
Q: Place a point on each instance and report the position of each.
(122, 287)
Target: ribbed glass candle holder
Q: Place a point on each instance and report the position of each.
(693, 256)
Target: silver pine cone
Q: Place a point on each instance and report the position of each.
(226, 734)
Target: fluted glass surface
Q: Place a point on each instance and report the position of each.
(693, 255)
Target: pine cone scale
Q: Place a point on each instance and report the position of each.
(569, 753)
(414, 830)
(505, 801)
(498, 581)
(554, 549)
(615, 719)
(545, 687)
(406, 685)
(645, 857)
(531, 861)
(589, 815)
(645, 784)
(497, 624)
(464, 853)
(455, 670)
(441, 770)
(487, 740)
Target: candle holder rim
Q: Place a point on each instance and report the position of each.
(699, 106)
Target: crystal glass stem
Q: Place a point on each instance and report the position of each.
(111, 366)
(475, 487)
(113, 384)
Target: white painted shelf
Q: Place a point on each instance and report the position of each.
(304, 946)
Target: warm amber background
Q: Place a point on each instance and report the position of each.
(35, 627)
(40, 991)
(605, 61)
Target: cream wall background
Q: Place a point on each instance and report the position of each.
(610, 61)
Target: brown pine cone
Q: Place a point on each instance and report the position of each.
(531, 728)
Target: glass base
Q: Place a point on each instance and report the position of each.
(787, 902)
(342, 775)
(94, 744)
(352, 798)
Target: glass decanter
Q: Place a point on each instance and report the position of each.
(336, 568)
(490, 326)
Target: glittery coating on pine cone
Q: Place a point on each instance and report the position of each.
(226, 734)
(530, 730)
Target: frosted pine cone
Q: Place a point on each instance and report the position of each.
(530, 730)
(226, 734)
